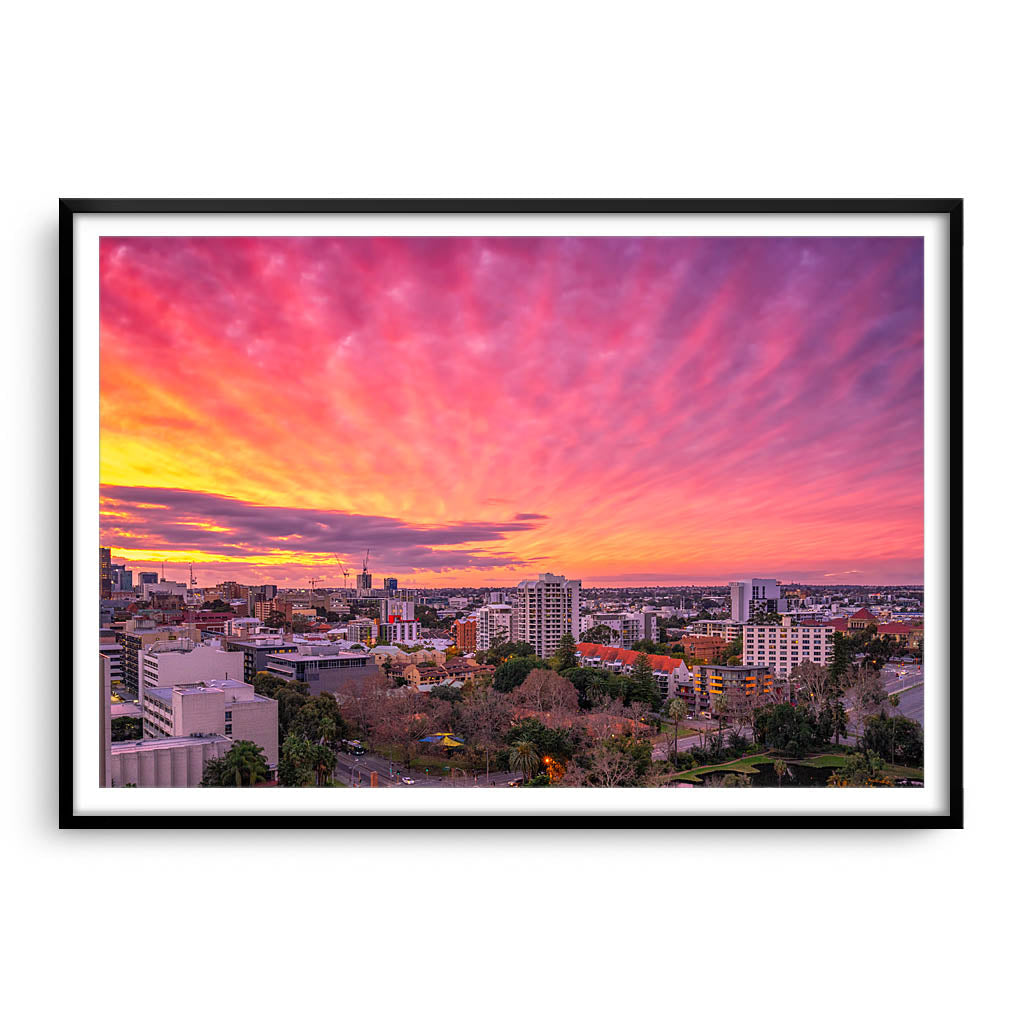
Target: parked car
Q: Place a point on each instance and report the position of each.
(407, 781)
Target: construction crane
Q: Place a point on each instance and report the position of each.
(312, 583)
(344, 571)
(366, 561)
(191, 576)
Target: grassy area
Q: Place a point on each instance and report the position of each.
(749, 765)
(668, 729)
(743, 765)
(894, 771)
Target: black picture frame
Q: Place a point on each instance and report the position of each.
(952, 209)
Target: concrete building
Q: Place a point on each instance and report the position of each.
(545, 610)
(255, 651)
(114, 653)
(390, 585)
(398, 631)
(737, 683)
(105, 768)
(493, 625)
(138, 636)
(326, 669)
(724, 628)
(216, 707)
(783, 647)
(627, 628)
(184, 661)
(755, 595)
(171, 761)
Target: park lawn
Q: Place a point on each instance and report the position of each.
(743, 765)
(894, 771)
(668, 729)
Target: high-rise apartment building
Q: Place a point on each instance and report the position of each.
(364, 582)
(148, 577)
(755, 595)
(545, 610)
(105, 574)
(783, 647)
(493, 625)
(390, 585)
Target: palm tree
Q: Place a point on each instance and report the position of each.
(245, 764)
(676, 710)
(524, 758)
(780, 769)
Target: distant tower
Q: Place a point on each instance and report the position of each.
(105, 573)
(364, 581)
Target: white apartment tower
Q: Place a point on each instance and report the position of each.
(493, 623)
(755, 595)
(545, 610)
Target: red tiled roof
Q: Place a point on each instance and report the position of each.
(863, 614)
(899, 627)
(659, 662)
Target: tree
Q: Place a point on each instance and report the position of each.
(733, 649)
(565, 653)
(901, 737)
(865, 691)
(243, 765)
(275, 620)
(599, 634)
(644, 688)
(512, 673)
(780, 769)
(544, 690)
(124, 729)
(524, 758)
(295, 767)
(862, 769)
(790, 730)
(720, 706)
(677, 711)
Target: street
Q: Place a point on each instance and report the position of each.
(355, 771)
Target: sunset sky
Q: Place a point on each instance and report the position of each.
(477, 410)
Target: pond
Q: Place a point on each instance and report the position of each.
(797, 776)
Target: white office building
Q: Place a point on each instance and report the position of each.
(545, 610)
(169, 662)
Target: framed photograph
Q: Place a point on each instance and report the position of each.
(555, 512)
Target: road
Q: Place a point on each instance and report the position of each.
(355, 771)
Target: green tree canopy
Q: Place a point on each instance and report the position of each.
(512, 673)
(565, 653)
(243, 765)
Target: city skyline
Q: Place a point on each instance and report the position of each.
(653, 411)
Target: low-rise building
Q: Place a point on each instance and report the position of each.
(217, 707)
(324, 669)
(168, 662)
(671, 674)
(737, 683)
(170, 761)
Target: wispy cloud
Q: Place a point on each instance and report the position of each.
(655, 405)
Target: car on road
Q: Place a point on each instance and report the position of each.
(406, 781)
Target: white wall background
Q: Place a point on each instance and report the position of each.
(527, 99)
